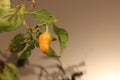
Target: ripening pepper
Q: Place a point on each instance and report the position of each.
(44, 42)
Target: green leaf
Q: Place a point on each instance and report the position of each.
(19, 48)
(12, 18)
(44, 16)
(31, 45)
(26, 53)
(54, 39)
(62, 36)
(17, 43)
(13, 72)
(10, 73)
(20, 37)
(36, 43)
(52, 53)
(38, 34)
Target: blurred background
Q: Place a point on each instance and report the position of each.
(94, 36)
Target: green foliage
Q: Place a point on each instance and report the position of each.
(19, 48)
(10, 73)
(44, 16)
(52, 53)
(20, 37)
(17, 43)
(11, 19)
(62, 36)
(26, 53)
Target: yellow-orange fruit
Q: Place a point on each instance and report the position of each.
(44, 42)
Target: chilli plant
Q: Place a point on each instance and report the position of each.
(12, 16)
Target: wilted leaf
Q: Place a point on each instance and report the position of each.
(12, 18)
(44, 16)
(62, 36)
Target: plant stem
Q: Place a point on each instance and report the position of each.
(47, 29)
(32, 5)
(26, 25)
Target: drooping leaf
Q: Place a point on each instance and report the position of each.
(52, 53)
(12, 18)
(44, 16)
(62, 36)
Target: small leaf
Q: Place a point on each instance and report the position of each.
(54, 39)
(19, 48)
(62, 36)
(52, 53)
(31, 45)
(38, 34)
(20, 37)
(44, 16)
(17, 43)
(13, 72)
(10, 73)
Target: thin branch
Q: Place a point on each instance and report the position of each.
(32, 5)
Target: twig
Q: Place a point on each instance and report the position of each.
(32, 5)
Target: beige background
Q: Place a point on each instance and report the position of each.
(94, 31)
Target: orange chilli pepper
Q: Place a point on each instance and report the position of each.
(44, 42)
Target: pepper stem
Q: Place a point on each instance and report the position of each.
(47, 29)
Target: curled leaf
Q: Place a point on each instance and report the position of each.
(62, 36)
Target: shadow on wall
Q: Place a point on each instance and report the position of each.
(54, 71)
